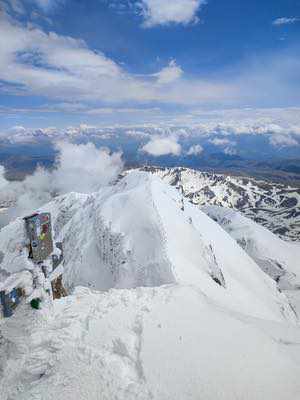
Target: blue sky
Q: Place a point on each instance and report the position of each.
(65, 62)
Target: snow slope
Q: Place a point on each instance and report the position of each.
(172, 309)
(165, 343)
(273, 205)
(142, 233)
(279, 259)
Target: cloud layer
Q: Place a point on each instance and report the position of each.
(169, 74)
(47, 5)
(160, 146)
(285, 21)
(162, 12)
(282, 140)
(195, 150)
(61, 68)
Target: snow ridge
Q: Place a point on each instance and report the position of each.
(275, 206)
(164, 303)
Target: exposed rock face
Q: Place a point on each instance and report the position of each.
(58, 289)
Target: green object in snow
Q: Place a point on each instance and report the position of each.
(35, 303)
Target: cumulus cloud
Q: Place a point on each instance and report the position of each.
(195, 150)
(228, 146)
(285, 21)
(17, 6)
(169, 74)
(282, 140)
(221, 142)
(162, 12)
(80, 168)
(231, 151)
(84, 168)
(3, 181)
(159, 146)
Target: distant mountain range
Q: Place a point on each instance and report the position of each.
(260, 151)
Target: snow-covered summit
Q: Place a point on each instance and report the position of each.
(175, 309)
(141, 232)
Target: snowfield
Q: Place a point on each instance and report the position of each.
(148, 343)
(164, 304)
(279, 259)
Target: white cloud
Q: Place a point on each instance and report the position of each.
(220, 141)
(159, 146)
(18, 129)
(169, 74)
(219, 124)
(65, 63)
(228, 145)
(195, 150)
(231, 151)
(258, 116)
(17, 6)
(216, 126)
(285, 21)
(282, 140)
(45, 4)
(48, 5)
(3, 181)
(84, 168)
(79, 168)
(61, 68)
(136, 133)
(110, 110)
(163, 12)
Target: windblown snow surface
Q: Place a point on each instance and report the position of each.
(164, 304)
(278, 258)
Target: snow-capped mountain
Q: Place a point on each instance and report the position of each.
(141, 232)
(273, 205)
(276, 257)
(170, 305)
